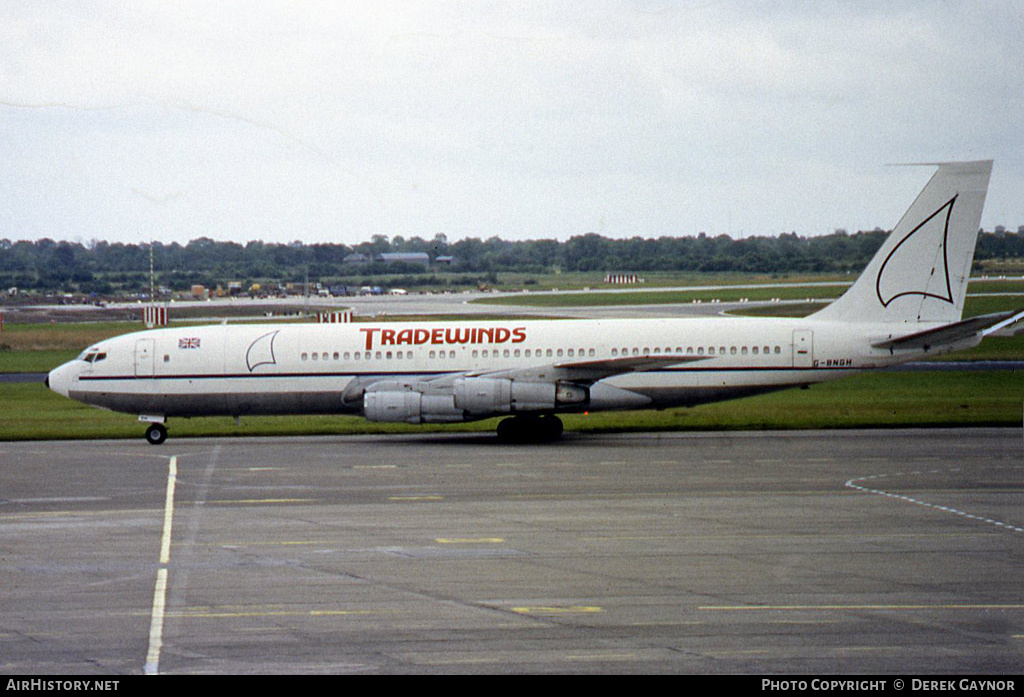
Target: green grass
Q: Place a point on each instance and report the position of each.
(33, 361)
(1005, 299)
(664, 297)
(580, 280)
(877, 400)
(30, 411)
(38, 348)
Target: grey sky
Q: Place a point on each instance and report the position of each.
(334, 121)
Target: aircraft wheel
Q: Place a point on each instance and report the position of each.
(530, 429)
(506, 430)
(551, 427)
(156, 434)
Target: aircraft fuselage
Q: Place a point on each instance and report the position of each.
(327, 368)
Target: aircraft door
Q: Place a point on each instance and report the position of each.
(144, 358)
(803, 349)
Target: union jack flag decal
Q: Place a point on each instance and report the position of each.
(190, 343)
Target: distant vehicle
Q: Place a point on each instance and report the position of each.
(907, 304)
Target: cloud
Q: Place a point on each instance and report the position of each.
(337, 121)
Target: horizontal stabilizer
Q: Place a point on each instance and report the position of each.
(949, 333)
(1008, 327)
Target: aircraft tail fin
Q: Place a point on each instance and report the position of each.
(920, 273)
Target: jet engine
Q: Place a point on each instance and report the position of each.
(467, 399)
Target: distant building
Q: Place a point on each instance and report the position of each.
(404, 257)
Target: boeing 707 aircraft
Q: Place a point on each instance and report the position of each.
(907, 304)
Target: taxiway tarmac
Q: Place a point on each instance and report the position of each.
(890, 552)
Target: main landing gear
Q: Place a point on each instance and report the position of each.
(530, 429)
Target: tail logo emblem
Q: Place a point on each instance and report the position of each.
(909, 272)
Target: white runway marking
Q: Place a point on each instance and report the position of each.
(852, 484)
(156, 624)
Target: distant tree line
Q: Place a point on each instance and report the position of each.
(104, 267)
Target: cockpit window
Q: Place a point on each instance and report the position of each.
(92, 356)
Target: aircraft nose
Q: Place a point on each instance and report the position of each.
(59, 379)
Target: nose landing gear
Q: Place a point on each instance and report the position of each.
(156, 434)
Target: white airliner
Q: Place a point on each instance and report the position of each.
(907, 304)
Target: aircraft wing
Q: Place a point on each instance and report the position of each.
(588, 372)
(957, 331)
